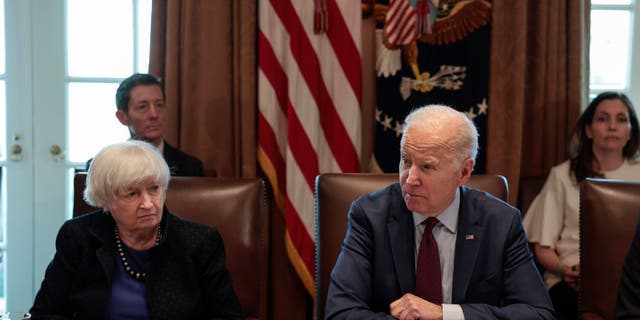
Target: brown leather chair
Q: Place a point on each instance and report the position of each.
(609, 211)
(334, 194)
(236, 207)
(529, 189)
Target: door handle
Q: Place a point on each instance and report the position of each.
(16, 153)
(56, 153)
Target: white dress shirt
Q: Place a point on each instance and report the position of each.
(445, 234)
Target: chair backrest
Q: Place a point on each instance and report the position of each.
(334, 194)
(609, 210)
(237, 208)
(529, 189)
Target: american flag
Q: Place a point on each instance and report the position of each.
(309, 101)
(400, 26)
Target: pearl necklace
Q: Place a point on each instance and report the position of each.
(140, 276)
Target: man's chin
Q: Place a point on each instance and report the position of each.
(413, 204)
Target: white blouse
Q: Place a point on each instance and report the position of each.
(553, 219)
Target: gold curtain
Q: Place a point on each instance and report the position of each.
(205, 52)
(538, 84)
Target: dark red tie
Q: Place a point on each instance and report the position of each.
(428, 278)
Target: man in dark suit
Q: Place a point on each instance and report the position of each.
(483, 269)
(628, 305)
(141, 107)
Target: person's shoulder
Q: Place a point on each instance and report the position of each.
(381, 204)
(561, 175)
(634, 164)
(497, 216)
(172, 151)
(87, 218)
(85, 225)
(190, 231)
(189, 225)
(483, 201)
(481, 196)
(182, 163)
(629, 170)
(562, 168)
(385, 195)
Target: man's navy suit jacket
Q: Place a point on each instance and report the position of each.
(180, 163)
(494, 274)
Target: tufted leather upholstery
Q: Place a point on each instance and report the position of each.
(334, 194)
(236, 207)
(609, 210)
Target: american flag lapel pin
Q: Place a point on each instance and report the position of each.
(469, 237)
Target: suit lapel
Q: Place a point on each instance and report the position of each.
(102, 229)
(168, 151)
(401, 240)
(470, 235)
(170, 155)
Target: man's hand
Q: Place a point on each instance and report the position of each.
(411, 307)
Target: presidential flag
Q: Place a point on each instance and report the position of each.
(447, 64)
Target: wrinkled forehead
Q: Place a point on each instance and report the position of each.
(421, 142)
(429, 134)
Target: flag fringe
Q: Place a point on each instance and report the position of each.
(300, 267)
(269, 171)
(292, 252)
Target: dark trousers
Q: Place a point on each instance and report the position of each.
(565, 301)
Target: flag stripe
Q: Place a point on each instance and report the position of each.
(272, 70)
(332, 74)
(303, 102)
(346, 50)
(269, 145)
(309, 66)
(273, 112)
(300, 196)
(310, 93)
(300, 238)
(401, 26)
(304, 154)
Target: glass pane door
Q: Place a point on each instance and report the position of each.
(60, 62)
(16, 140)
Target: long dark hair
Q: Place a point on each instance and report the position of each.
(583, 162)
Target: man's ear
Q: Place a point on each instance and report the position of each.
(122, 117)
(465, 170)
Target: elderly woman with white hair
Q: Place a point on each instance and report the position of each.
(133, 259)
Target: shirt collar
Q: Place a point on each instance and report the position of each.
(448, 217)
(160, 146)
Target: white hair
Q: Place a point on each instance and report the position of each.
(434, 117)
(120, 166)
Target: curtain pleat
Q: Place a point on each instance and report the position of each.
(538, 84)
(205, 52)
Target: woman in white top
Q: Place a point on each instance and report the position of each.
(604, 144)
